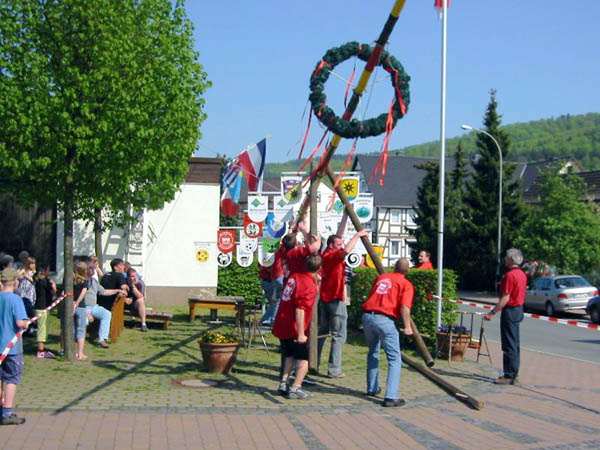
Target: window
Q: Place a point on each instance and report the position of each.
(394, 248)
(395, 216)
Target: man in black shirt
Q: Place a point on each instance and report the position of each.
(113, 280)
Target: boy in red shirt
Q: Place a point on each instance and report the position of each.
(391, 297)
(293, 322)
(333, 313)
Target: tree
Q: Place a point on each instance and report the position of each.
(478, 244)
(101, 104)
(427, 208)
(563, 229)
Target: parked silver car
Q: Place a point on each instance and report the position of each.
(559, 293)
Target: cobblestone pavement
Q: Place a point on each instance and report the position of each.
(136, 402)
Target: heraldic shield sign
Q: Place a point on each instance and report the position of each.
(363, 206)
(226, 240)
(243, 258)
(258, 207)
(252, 229)
(291, 188)
(224, 259)
(350, 187)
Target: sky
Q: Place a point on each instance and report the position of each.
(542, 57)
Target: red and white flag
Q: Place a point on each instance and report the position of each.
(439, 5)
(252, 162)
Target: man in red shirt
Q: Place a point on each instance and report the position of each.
(391, 297)
(292, 324)
(424, 261)
(333, 315)
(512, 298)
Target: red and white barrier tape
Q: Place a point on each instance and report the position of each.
(575, 323)
(15, 339)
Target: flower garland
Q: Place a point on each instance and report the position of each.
(357, 128)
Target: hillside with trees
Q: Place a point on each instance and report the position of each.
(574, 136)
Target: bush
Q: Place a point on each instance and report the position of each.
(424, 306)
(241, 281)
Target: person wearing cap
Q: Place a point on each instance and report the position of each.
(390, 299)
(13, 318)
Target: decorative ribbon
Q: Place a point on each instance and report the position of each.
(305, 135)
(349, 84)
(313, 152)
(399, 96)
(381, 166)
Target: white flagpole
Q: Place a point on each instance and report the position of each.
(440, 246)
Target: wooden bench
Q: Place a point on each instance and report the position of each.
(155, 316)
(215, 303)
(117, 321)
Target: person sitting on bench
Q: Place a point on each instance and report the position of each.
(136, 295)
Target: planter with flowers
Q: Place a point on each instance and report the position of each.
(219, 350)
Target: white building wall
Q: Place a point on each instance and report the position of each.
(171, 235)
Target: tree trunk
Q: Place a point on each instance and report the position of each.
(66, 320)
(98, 236)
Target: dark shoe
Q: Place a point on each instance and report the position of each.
(389, 403)
(144, 328)
(374, 393)
(503, 380)
(103, 344)
(13, 419)
(283, 389)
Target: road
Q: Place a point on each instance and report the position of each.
(537, 335)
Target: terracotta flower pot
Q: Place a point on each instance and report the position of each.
(219, 358)
(460, 343)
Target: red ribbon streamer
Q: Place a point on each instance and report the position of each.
(399, 93)
(381, 166)
(305, 135)
(349, 85)
(314, 152)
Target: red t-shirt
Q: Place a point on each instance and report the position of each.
(425, 266)
(389, 292)
(332, 275)
(278, 267)
(300, 292)
(296, 259)
(514, 283)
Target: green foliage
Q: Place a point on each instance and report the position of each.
(220, 336)
(563, 229)
(424, 308)
(573, 136)
(479, 235)
(241, 281)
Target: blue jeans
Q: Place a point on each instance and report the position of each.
(381, 330)
(103, 315)
(272, 291)
(333, 318)
(510, 319)
(80, 322)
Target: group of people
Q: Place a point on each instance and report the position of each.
(26, 291)
(302, 274)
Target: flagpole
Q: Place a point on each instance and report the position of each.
(440, 242)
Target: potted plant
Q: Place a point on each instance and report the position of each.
(461, 338)
(219, 350)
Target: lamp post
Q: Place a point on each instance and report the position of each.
(471, 128)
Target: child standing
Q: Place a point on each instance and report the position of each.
(45, 288)
(80, 287)
(292, 324)
(13, 318)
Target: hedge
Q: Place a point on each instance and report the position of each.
(424, 308)
(241, 281)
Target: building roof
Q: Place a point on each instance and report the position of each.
(402, 180)
(204, 171)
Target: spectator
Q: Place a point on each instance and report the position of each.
(512, 297)
(21, 259)
(6, 261)
(267, 283)
(98, 312)
(45, 289)
(293, 322)
(12, 319)
(80, 287)
(136, 295)
(391, 297)
(26, 287)
(424, 261)
(333, 313)
(97, 271)
(113, 281)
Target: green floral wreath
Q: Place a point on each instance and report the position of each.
(357, 128)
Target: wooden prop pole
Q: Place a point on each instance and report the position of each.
(313, 363)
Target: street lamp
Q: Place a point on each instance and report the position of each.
(471, 128)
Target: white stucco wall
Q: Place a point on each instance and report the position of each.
(171, 234)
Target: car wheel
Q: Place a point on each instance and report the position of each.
(550, 311)
(595, 315)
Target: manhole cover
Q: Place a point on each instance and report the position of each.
(198, 383)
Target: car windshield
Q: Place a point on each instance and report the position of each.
(571, 282)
